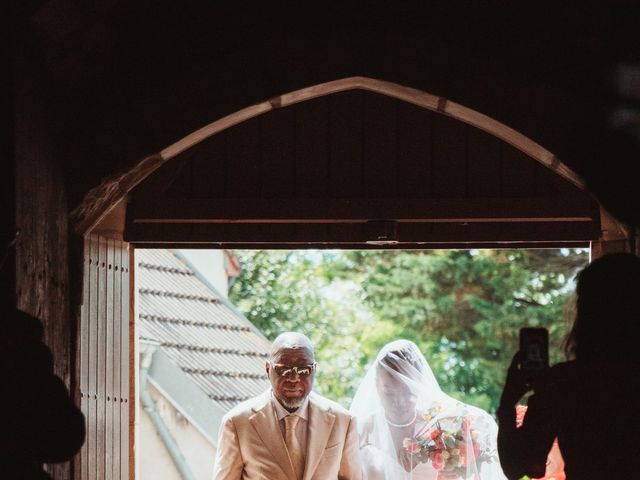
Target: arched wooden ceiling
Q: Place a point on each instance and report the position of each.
(360, 166)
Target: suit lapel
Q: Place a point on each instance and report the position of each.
(265, 423)
(320, 424)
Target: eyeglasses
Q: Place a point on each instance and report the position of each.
(286, 370)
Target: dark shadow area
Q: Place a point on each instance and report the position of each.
(590, 402)
(40, 422)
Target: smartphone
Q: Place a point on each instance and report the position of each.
(534, 350)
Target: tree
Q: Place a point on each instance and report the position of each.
(462, 307)
(290, 290)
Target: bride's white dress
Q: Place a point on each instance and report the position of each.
(411, 430)
(382, 464)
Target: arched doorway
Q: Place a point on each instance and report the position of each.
(352, 163)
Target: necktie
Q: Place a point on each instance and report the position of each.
(293, 444)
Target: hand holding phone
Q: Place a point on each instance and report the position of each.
(534, 352)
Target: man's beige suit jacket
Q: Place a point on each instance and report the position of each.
(251, 447)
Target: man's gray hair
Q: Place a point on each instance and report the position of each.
(291, 340)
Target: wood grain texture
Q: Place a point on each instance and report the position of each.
(414, 151)
(311, 122)
(518, 174)
(42, 241)
(91, 414)
(101, 364)
(380, 150)
(346, 140)
(356, 235)
(99, 201)
(449, 176)
(277, 154)
(104, 356)
(243, 160)
(355, 156)
(483, 165)
(183, 212)
(117, 362)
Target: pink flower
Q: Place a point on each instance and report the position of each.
(437, 461)
(413, 448)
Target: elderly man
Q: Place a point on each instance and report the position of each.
(288, 432)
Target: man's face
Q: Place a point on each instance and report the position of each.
(290, 389)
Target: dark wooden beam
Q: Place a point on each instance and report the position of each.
(359, 246)
(346, 235)
(360, 210)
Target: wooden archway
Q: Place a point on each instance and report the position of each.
(105, 205)
(103, 199)
(158, 202)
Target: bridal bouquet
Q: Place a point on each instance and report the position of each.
(449, 443)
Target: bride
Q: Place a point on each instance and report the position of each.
(410, 429)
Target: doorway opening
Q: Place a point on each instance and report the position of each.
(205, 319)
(351, 164)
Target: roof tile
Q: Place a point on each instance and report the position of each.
(213, 344)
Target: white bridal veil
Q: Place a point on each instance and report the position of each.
(410, 429)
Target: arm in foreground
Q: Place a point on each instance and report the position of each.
(350, 463)
(523, 451)
(228, 464)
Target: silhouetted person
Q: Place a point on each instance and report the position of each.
(40, 423)
(590, 403)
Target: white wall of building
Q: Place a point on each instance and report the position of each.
(210, 264)
(155, 462)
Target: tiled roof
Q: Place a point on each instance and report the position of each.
(211, 342)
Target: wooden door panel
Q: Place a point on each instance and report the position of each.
(104, 357)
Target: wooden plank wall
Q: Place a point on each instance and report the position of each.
(104, 360)
(355, 144)
(41, 233)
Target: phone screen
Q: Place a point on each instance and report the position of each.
(534, 349)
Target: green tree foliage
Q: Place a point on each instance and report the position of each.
(284, 290)
(465, 308)
(462, 307)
